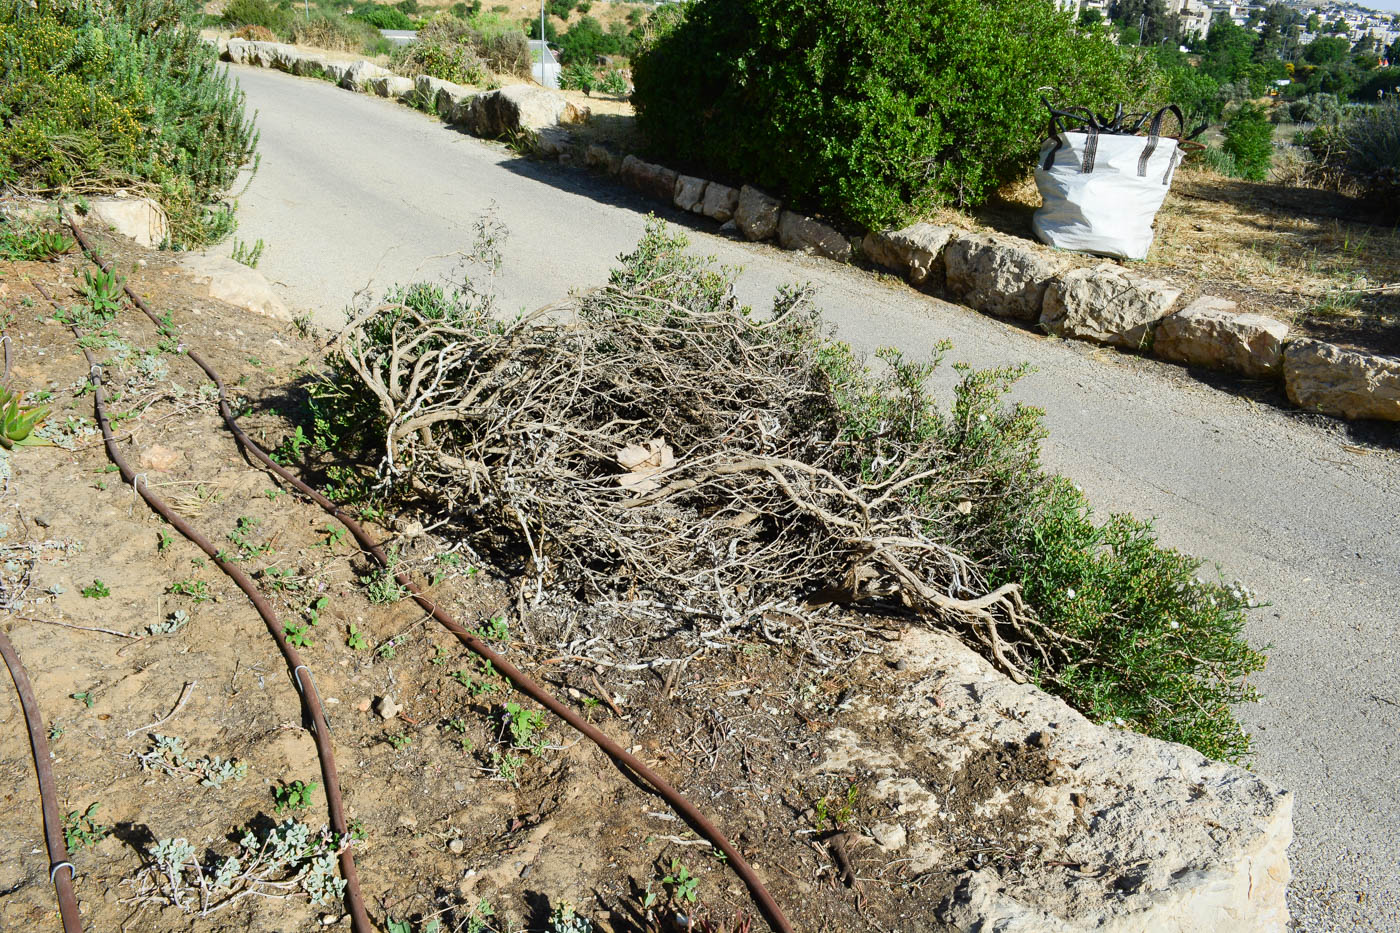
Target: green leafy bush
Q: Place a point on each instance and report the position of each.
(1249, 140)
(121, 93)
(863, 108)
(382, 17)
(577, 77)
(1316, 108)
(613, 83)
(262, 13)
(1362, 154)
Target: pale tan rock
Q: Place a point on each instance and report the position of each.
(159, 457)
(139, 219)
(1209, 332)
(721, 201)
(392, 85)
(654, 181)
(757, 214)
(916, 251)
(1107, 304)
(1167, 841)
(1322, 377)
(801, 233)
(235, 284)
(999, 276)
(690, 193)
(358, 75)
(603, 159)
(513, 109)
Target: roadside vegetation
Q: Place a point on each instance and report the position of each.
(116, 94)
(743, 469)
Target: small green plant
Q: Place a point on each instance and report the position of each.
(355, 640)
(684, 886)
(96, 590)
(843, 812)
(247, 255)
(84, 697)
(168, 754)
(80, 828)
(163, 540)
(294, 796)
(198, 590)
(400, 740)
(314, 610)
(507, 766)
(564, 919)
(525, 726)
(459, 726)
(31, 245)
(292, 449)
(297, 634)
(333, 537)
(381, 588)
(55, 732)
(103, 291)
(495, 630)
(439, 657)
(242, 536)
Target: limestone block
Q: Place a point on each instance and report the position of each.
(359, 75)
(999, 276)
(139, 219)
(916, 252)
(516, 108)
(1208, 332)
(690, 193)
(1107, 304)
(235, 284)
(1130, 834)
(654, 181)
(757, 213)
(1322, 377)
(603, 159)
(721, 201)
(809, 236)
(391, 85)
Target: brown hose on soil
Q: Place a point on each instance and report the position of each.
(53, 824)
(522, 682)
(320, 729)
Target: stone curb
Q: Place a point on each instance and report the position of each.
(1000, 275)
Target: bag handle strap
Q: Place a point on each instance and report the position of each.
(1155, 134)
(1059, 120)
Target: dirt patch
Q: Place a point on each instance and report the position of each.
(454, 806)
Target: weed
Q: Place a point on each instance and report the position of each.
(55, 732)
(684, 886)
(355, 641)
(167, 753)
(198, 590)
(563, 919)
(313, 611)
(96, 590)
(357, 830)
(381, 587)
(163, 540)
(495, 630)
(29, 245)
(292, 449)
(247, 255)
(459, 726)
(400, 740)
(387, 650)
(281, 579)
(103, 292)
(80, 828)
(297, 635)
(272, 494)
(525, 726)
(841, 815)
(294, 796)
(507, 766)
(333, 537)
(84, 696)
(439, 657)
(242, 537)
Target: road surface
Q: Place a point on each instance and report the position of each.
(354, 191)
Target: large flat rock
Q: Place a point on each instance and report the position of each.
(1107, 304)
(235, 284)
(1210, 332)
(998, 275)
(1047, 821)
(1322, 377)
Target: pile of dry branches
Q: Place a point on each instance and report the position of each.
(663, 444)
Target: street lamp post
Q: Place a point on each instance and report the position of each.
(544, 46)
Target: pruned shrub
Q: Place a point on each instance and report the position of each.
(667, 447)
(102, 95)
(863, 108)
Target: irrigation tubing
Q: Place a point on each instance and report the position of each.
(53, 825)
(765, 902)
(301, 674)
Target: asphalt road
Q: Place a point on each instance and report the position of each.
(355, 191)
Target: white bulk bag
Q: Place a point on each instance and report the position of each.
(1100, 191)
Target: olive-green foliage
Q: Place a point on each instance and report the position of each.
(1316, 108)
(1142, 640)
(1362, 154)
(120, 93)
(383, 17)
(1249, 141)
(332, 31)
(465, 51)
(262, 13)
(864, 108)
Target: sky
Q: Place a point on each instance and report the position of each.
(1390, 6)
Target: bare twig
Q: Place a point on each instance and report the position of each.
(179, 705)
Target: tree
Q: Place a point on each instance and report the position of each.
(1089, 18)
(1314, 23)
(1326, 50)
(1228, 49)
(584, 42)
(559, 8)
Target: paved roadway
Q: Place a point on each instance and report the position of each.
(357, 191)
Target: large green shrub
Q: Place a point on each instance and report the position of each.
(864, 108)
(1249, 139)
(120, 93)
(1362, 154)
(262, 13)
(383, 17)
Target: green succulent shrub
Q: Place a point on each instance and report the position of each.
(864, 109)
(121, 93)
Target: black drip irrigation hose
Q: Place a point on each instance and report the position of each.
(53, 825)
(301, 674)
(764, 900)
